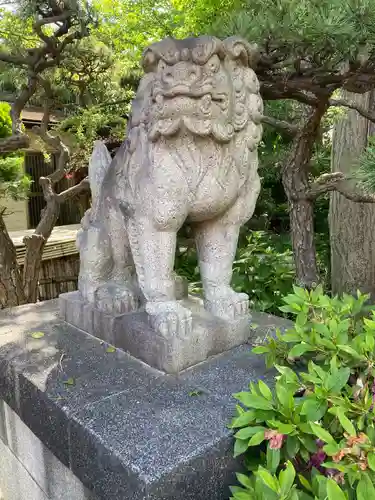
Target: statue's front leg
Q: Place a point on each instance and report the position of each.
(153, 253)
(217, 244)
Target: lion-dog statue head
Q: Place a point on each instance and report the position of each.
(200, 99)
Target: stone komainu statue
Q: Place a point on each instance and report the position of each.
(190, 154)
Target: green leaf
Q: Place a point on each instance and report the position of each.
(304, 482)
(110, 349)
(370, 323)
(243, 495)
(334, 491)
(260, 350)
(273, 459)
(298, 350)
(37, 335)
(349, 350)
(371, 461)
(265, 390)
(244, 480)
(290, 375)
(257, 439)
(240, 447)
(268, 479)
(305, 428)
(285, 428)
(292, 446)
(301, 319)
(291, 337)
(331, 449)
(194, 393)
(322, 433)
(286, 478)
(252, 401)
(284, 395)
(314, 409)
(70, 381)
(248, 432)
(337, 466)
(365, 489)
(346, 423)
(327, 343)
(244, 419)
(309, 443)
(336, 381)
(300, 292)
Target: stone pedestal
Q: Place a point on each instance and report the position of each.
(134, 334)
(117, 428)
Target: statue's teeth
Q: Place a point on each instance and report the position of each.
(206, 102)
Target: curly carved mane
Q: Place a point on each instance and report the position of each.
(204, 87)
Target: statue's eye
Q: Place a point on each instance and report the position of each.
(213, 64)
(162, 65)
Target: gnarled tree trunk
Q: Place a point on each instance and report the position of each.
(11, 288)
(352, 225)
(295, 178)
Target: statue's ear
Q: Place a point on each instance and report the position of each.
(98, 167)
(150, 60)
(240, 49)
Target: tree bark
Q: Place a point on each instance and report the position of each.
(295, 178)
(352, 225)
(34, 248)
(11, 289)
(14, 143)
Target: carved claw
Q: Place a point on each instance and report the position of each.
(115, 299)
(169, 318)
(229, 307)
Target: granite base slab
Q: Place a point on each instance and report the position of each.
(126, 430)
(133, 333)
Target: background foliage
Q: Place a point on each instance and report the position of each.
(13, 182)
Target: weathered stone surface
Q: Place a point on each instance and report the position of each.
(190, 155)
(169, 351)
(124, 429)
(28, 470)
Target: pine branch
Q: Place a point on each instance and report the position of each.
(14, 143)
(69, 193)
(270, 91)
(281, 125)
(337, 181)
(13, 59)
(357, 107)
(27, 92)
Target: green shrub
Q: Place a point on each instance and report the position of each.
(5, 120)
(313, 436)
(13, 181)
(263, 269)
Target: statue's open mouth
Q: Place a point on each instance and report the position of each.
(204, 94)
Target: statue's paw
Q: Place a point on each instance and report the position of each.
(169, 318)
(229, 305)
(116, 299)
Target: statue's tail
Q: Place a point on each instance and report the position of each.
(99, 164)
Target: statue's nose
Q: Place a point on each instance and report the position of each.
(181, 74)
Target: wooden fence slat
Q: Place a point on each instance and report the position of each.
(60, 264)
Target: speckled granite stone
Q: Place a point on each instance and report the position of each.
(126, 430)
